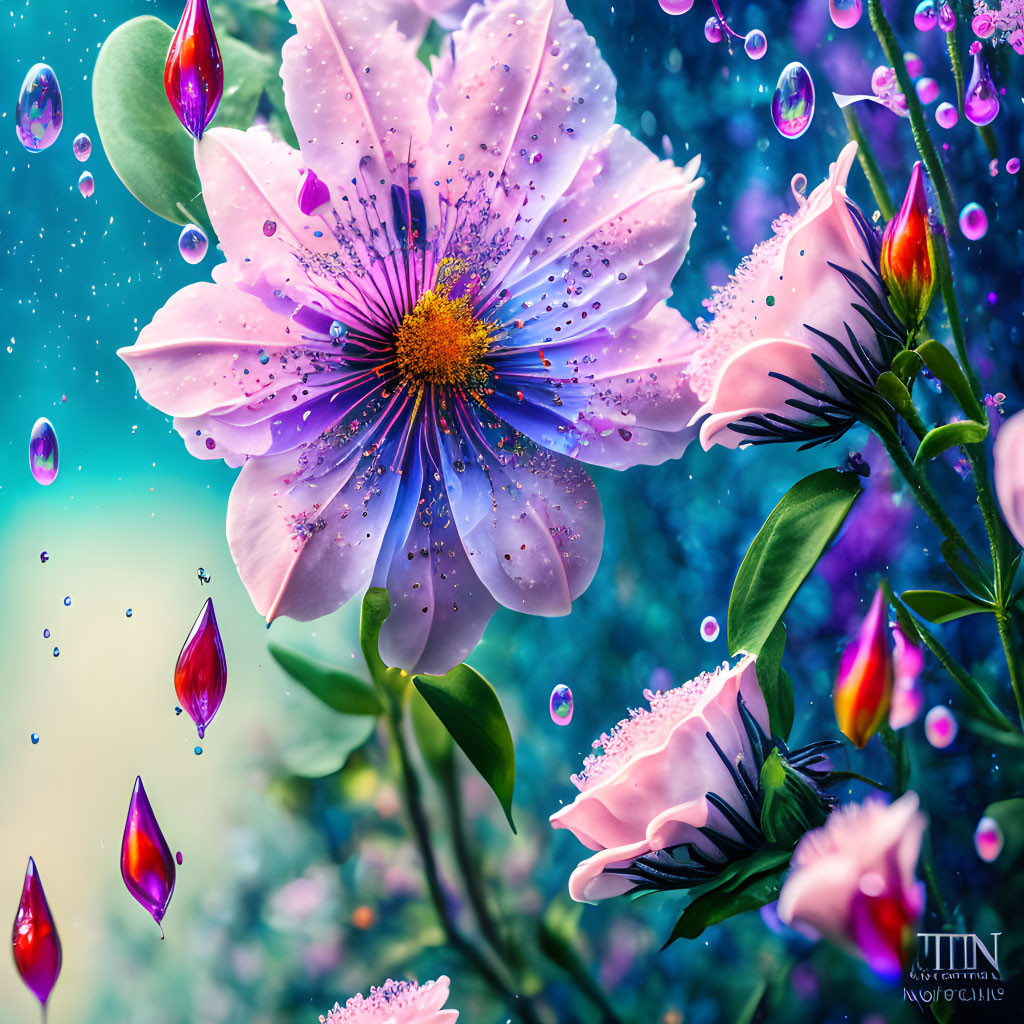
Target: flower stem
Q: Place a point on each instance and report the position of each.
(841, 775)
(868, 163)
(957, 65)
(918, 124)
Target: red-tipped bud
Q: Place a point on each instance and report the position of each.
(909, 266)
(36, 943)
(194, 74)
(863, 690)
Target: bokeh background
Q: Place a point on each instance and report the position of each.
(298, 886)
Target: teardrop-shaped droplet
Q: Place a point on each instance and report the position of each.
(43, 455)
(845, 13)
(981, 101)
(40, 111)
(192, 244)
(194, 73)
(947, 18)
(147, 865)
(560, 706)
(201, 674)
(86, 184)
(312, 194)
(82, 147)
(988, 839)
(37, 953)
(793, 102)
(926, 16)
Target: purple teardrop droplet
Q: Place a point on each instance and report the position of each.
(313, 193)
(981, 101)
(793, 102)
(147, 865)
(40, 111)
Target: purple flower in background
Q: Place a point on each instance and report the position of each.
(410, 372)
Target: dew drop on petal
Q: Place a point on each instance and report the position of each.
(988, 839)
(82, 147)
(269, 227)
(927, 90)
(755, 43)
(946, 115)
(43, 455)
(337, 329)
(40, 111)
(86, 184)
(263, 357)
(709, 629)
(793, 102)
(926, 17)
(560, 706)
(981, 100)
(192, 244)
(845, 13)
(973, 222)
(713, 30)
(940, 727)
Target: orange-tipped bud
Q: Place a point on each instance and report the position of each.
(909, 266)
(863, 690)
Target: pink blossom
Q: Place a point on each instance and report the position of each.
(789, 305)
(853, 880)
(1008, 470)
(397, 1002)
(410, 373)
(647, 790)
(907, 694)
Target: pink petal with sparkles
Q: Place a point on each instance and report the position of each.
(1008, 470)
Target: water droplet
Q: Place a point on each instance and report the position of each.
(675, 6)
(981, 101)
(713, 30)
(927, 90)
(709, 629)
(43, 455)
(845, 13)
(793, 102)
(312, 194)
(44, 556)
(973, 222)
(560, 706)
(193, 72)
(147, 866)
(67, 601)
(988, 839)
(926, 17)
(37, 953)
(178, 857)
(940, 727)
(197, 751)
(915, 66)
(1012, 165)
(86, 184)
(947, 18)
(755, 42)
(264, 358)
(337, 329)
(46, 634)
(192, 244)
(201, 674)
(56, 652)
(40, 111)
(269, 227)
(82, 146)
(34, 738)
(946, 115)
(128, 613)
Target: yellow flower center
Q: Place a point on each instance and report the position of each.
(440, 341)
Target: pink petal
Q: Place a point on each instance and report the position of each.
(1008, 470)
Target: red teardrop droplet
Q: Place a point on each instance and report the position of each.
(194, 73)
(201, 674)
(37, 953)
(147, 865)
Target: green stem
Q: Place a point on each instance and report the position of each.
(840, 775)
(956, 324)
(868, 163)
(989, 138)
(957, 65)
(918, 124)
(1012, 660)
(931, 879)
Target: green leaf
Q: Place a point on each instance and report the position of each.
(970, 574)
(785, 550)
(247, 73)
(942, 364)
(376, 608)
(776, 686)
(745, 885)
(791, 806)
(471, 712)
(895, 392)
(280, 119)
(906, 365)
(434, 740)
(316, 758)
(949, 435)
(938, 606)
(338, 690)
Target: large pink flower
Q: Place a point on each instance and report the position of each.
(397, 1002)
(788, 315)
(1008, 470)
(451, 294)
(853, 880)
(648, 789)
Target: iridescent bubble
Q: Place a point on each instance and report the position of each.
(40, 111)
(927, 90)
(926, 17)
(947, 18)
(675, 6)
(86, 184)
(560, 706)
(915, 66)
(940, 727)
(973, 222)
(1012, 165)
(192, 244)
(82, 146)
(988, 839)
(981, 101)
(709, 629)
(845, 13)
(713, 30)
(793, 102)
(43, 454)
(946, 115)
(755, 42)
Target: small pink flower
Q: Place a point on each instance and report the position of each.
(1008, 469)
(983, 25)
(647, 790)
(397, 1002)
(1016, 40)
(757, 370)
(907, 695)
(853, 880)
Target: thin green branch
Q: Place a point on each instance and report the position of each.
(868, 163)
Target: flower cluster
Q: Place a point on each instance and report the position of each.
(1003, 24)
(397, 1002)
